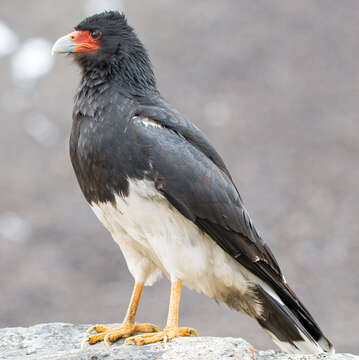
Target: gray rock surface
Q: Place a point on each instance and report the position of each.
(62, 341)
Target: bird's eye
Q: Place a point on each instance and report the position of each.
(96, 34)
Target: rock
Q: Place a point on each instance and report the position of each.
(62, 341)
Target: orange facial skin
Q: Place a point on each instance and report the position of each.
(84, 42)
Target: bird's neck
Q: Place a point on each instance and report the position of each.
(132, 77)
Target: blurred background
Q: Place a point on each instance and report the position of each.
(275, 87)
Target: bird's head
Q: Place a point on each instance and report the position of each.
(106, 41)
(98, 36)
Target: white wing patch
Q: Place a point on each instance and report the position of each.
(146, 121)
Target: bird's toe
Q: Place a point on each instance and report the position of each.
(110, 335)
(167, 334)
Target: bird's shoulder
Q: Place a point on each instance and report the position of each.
(166, 116)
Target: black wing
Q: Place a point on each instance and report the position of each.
(194, 179)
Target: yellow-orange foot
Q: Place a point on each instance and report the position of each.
(110, 335)
(167, 334)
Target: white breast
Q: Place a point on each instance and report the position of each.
(154, 236)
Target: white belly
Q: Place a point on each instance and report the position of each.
(155, 237)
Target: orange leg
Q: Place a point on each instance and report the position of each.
(171, 330)
(128, 327)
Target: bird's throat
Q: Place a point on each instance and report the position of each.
(132, 78)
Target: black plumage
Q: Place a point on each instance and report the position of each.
(108, 147)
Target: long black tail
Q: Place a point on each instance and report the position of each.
(289, 323)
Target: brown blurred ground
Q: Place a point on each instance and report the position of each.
(275, 87)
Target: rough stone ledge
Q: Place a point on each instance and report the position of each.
(62, 341)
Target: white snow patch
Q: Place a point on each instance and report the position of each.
(13, 227)
(31, 61)
(41, 129)
(8, 40)
(95, 6)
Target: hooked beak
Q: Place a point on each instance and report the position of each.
(76, 42)
(64, 45)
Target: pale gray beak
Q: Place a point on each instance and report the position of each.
(63, 45)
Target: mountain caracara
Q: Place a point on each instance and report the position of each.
(166, 196)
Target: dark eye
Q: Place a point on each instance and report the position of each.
(96, 34)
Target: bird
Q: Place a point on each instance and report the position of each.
(158, 185)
